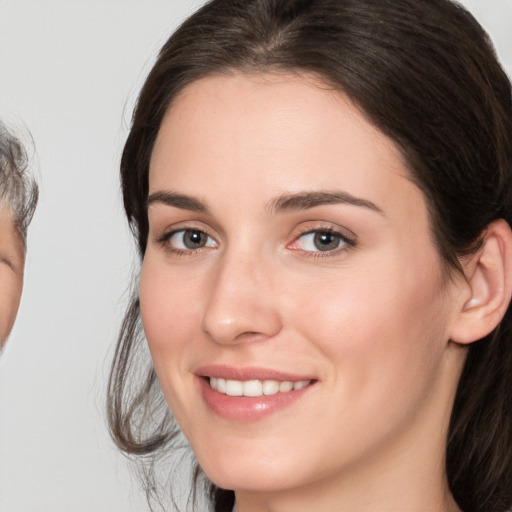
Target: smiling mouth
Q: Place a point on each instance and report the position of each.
(255, 388)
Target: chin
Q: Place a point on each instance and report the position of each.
(243, 473)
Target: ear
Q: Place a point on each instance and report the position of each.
(488, 287)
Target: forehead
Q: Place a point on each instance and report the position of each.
(273, 133)
(272, 110)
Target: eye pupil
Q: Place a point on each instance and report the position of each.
(326, 241)
(194, 239)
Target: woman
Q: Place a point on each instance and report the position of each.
(320, 195)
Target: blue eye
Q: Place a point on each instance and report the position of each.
(321, 241)
(190, 239)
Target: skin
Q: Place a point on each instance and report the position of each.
(12, 259)
(372, 321)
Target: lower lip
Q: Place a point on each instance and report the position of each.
(248, 408)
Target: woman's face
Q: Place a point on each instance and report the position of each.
(289, 261)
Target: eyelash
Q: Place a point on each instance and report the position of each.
(164, 241)
(346, 241)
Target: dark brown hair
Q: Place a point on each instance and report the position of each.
(424, 72)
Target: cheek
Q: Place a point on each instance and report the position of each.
(171, 303)
(170, 318)
(165, 307)
(383, 332)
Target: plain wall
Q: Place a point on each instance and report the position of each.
(70, 71)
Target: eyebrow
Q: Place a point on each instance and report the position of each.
(181, 201)
(283, 203)
(306, 200)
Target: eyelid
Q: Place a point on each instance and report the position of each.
(163, 236)
(161, 230)
(348, 239)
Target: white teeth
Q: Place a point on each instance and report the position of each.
(234, 388)
(301, 384)
(270, 387)
(286, 386)
(221, 385)
(255, 387)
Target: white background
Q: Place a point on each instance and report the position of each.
(70, 71)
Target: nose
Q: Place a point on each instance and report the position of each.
(242, 304)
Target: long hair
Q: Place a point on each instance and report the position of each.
(423, 72)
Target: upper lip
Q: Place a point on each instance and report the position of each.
(249, 373)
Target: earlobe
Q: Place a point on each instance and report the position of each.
(489, 279)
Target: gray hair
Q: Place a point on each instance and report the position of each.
(18, 189)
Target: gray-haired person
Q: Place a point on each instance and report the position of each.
(18, 199)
